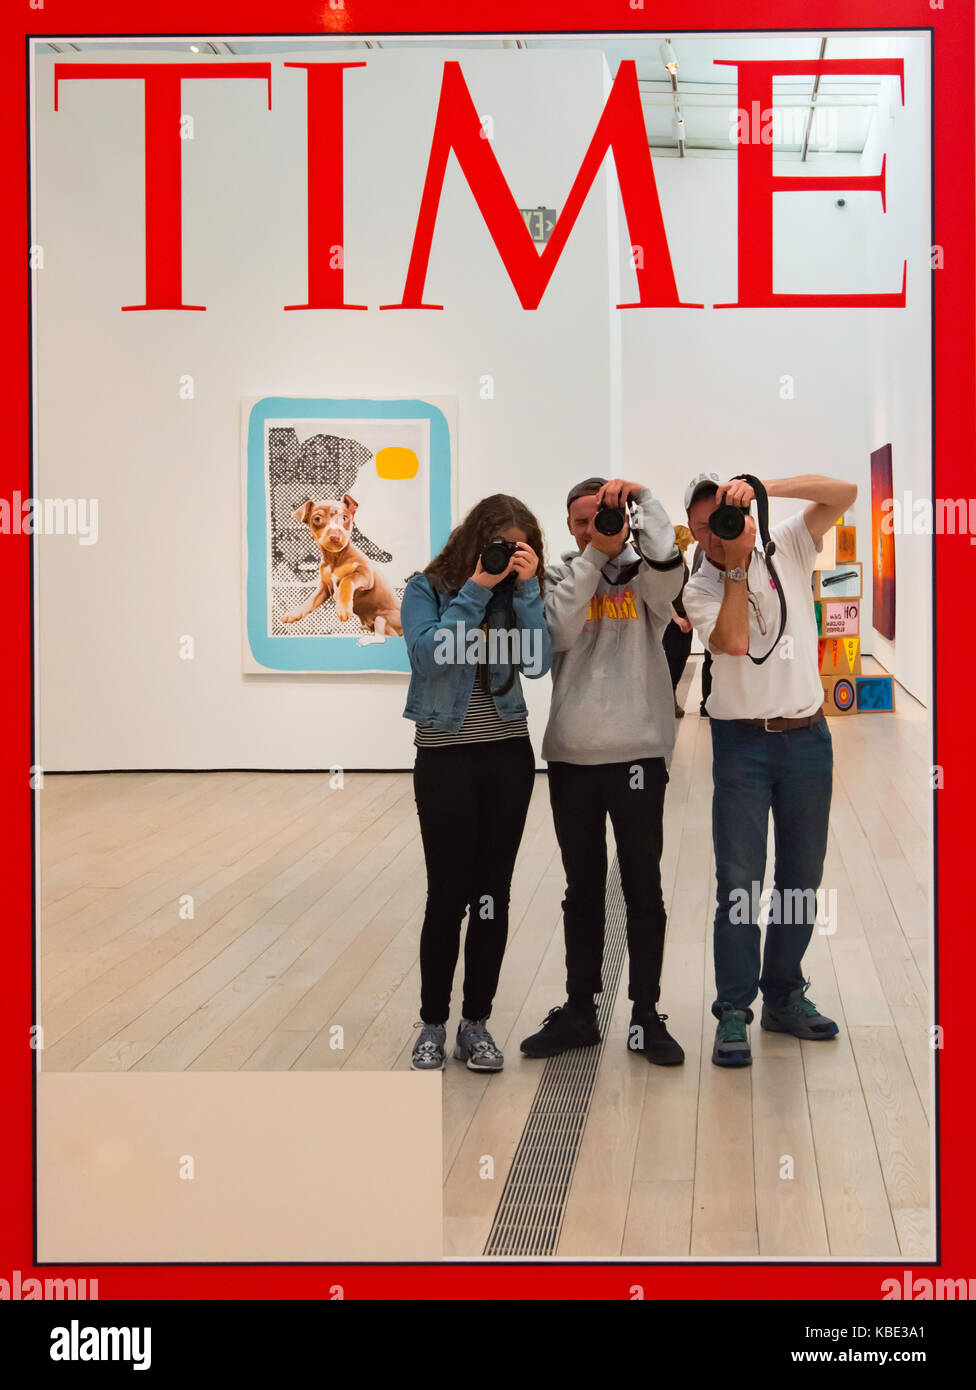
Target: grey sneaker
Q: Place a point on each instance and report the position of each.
(428, 1051)
(799, 1016)
(476, 1046)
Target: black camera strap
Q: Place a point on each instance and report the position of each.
(504, 590)
(768, 550)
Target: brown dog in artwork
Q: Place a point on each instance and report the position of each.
(346, 573)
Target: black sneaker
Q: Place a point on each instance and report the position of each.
(648, 1034)
(561, 1029)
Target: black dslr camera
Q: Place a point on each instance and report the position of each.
(727, 521)
(496, 556)
(609, 521)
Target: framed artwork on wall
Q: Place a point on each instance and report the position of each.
(343, 499)
(882, 545)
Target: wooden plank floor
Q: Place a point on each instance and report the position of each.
(220, 921)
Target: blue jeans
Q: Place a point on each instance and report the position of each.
(755, 772)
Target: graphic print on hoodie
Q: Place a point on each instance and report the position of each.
(612, 699)
(618, 603)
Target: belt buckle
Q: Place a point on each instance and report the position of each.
(766, 724)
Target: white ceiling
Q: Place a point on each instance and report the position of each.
(706, 92)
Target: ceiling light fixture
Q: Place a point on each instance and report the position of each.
(669, 58)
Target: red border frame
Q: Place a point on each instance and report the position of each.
(954, 438)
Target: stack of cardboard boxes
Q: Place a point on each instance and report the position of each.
(837, 591)
(837, 601)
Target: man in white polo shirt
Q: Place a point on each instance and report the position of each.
(771, 751)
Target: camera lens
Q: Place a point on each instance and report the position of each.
(495, 557)
(728, 522)
(609, 521)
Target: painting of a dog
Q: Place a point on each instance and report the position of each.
(344, 572)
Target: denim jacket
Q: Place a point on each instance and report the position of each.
(436, 628)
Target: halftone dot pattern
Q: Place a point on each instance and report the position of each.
(321, 467)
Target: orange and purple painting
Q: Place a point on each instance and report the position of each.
(882, 545)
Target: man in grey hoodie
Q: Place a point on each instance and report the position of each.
(609, 743)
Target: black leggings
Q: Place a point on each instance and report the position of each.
(472, 800)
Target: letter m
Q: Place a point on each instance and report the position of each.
(951, 1288)
(621, 129)
(952, 516)
(800, 906)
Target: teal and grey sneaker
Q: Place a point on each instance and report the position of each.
(428, 1051)
(476, 1046)
(799, 1016)
(731, 1047)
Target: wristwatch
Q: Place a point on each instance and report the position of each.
(737, 573)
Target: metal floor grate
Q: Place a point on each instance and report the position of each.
(530, 1214)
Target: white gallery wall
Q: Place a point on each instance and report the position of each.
(780, 392)
(898, 354)
(114, 692)
(578, 386)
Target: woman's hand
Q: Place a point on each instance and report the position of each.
(525, 562)
(486, 580)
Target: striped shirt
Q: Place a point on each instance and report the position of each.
(481, 724)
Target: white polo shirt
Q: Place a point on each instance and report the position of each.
(788, 683)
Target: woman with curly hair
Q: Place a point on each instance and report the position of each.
(470, 632)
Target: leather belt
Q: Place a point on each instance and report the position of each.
(781, 725)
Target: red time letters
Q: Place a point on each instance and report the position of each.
(458, 127)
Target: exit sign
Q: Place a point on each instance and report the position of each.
(540, 222)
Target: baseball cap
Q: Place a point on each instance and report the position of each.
(699, 483)
(584, 489)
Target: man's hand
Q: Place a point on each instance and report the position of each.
(735, 493)
(610, 545)
(617, 493)
(736, 552)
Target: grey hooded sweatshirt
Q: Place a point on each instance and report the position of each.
(612, 699)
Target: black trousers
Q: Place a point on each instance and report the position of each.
(472, 800)
(677, 645)
(706, 678)
(582, 797)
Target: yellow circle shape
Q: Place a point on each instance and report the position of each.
(396, 463)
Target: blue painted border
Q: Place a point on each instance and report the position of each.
(331, 653)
